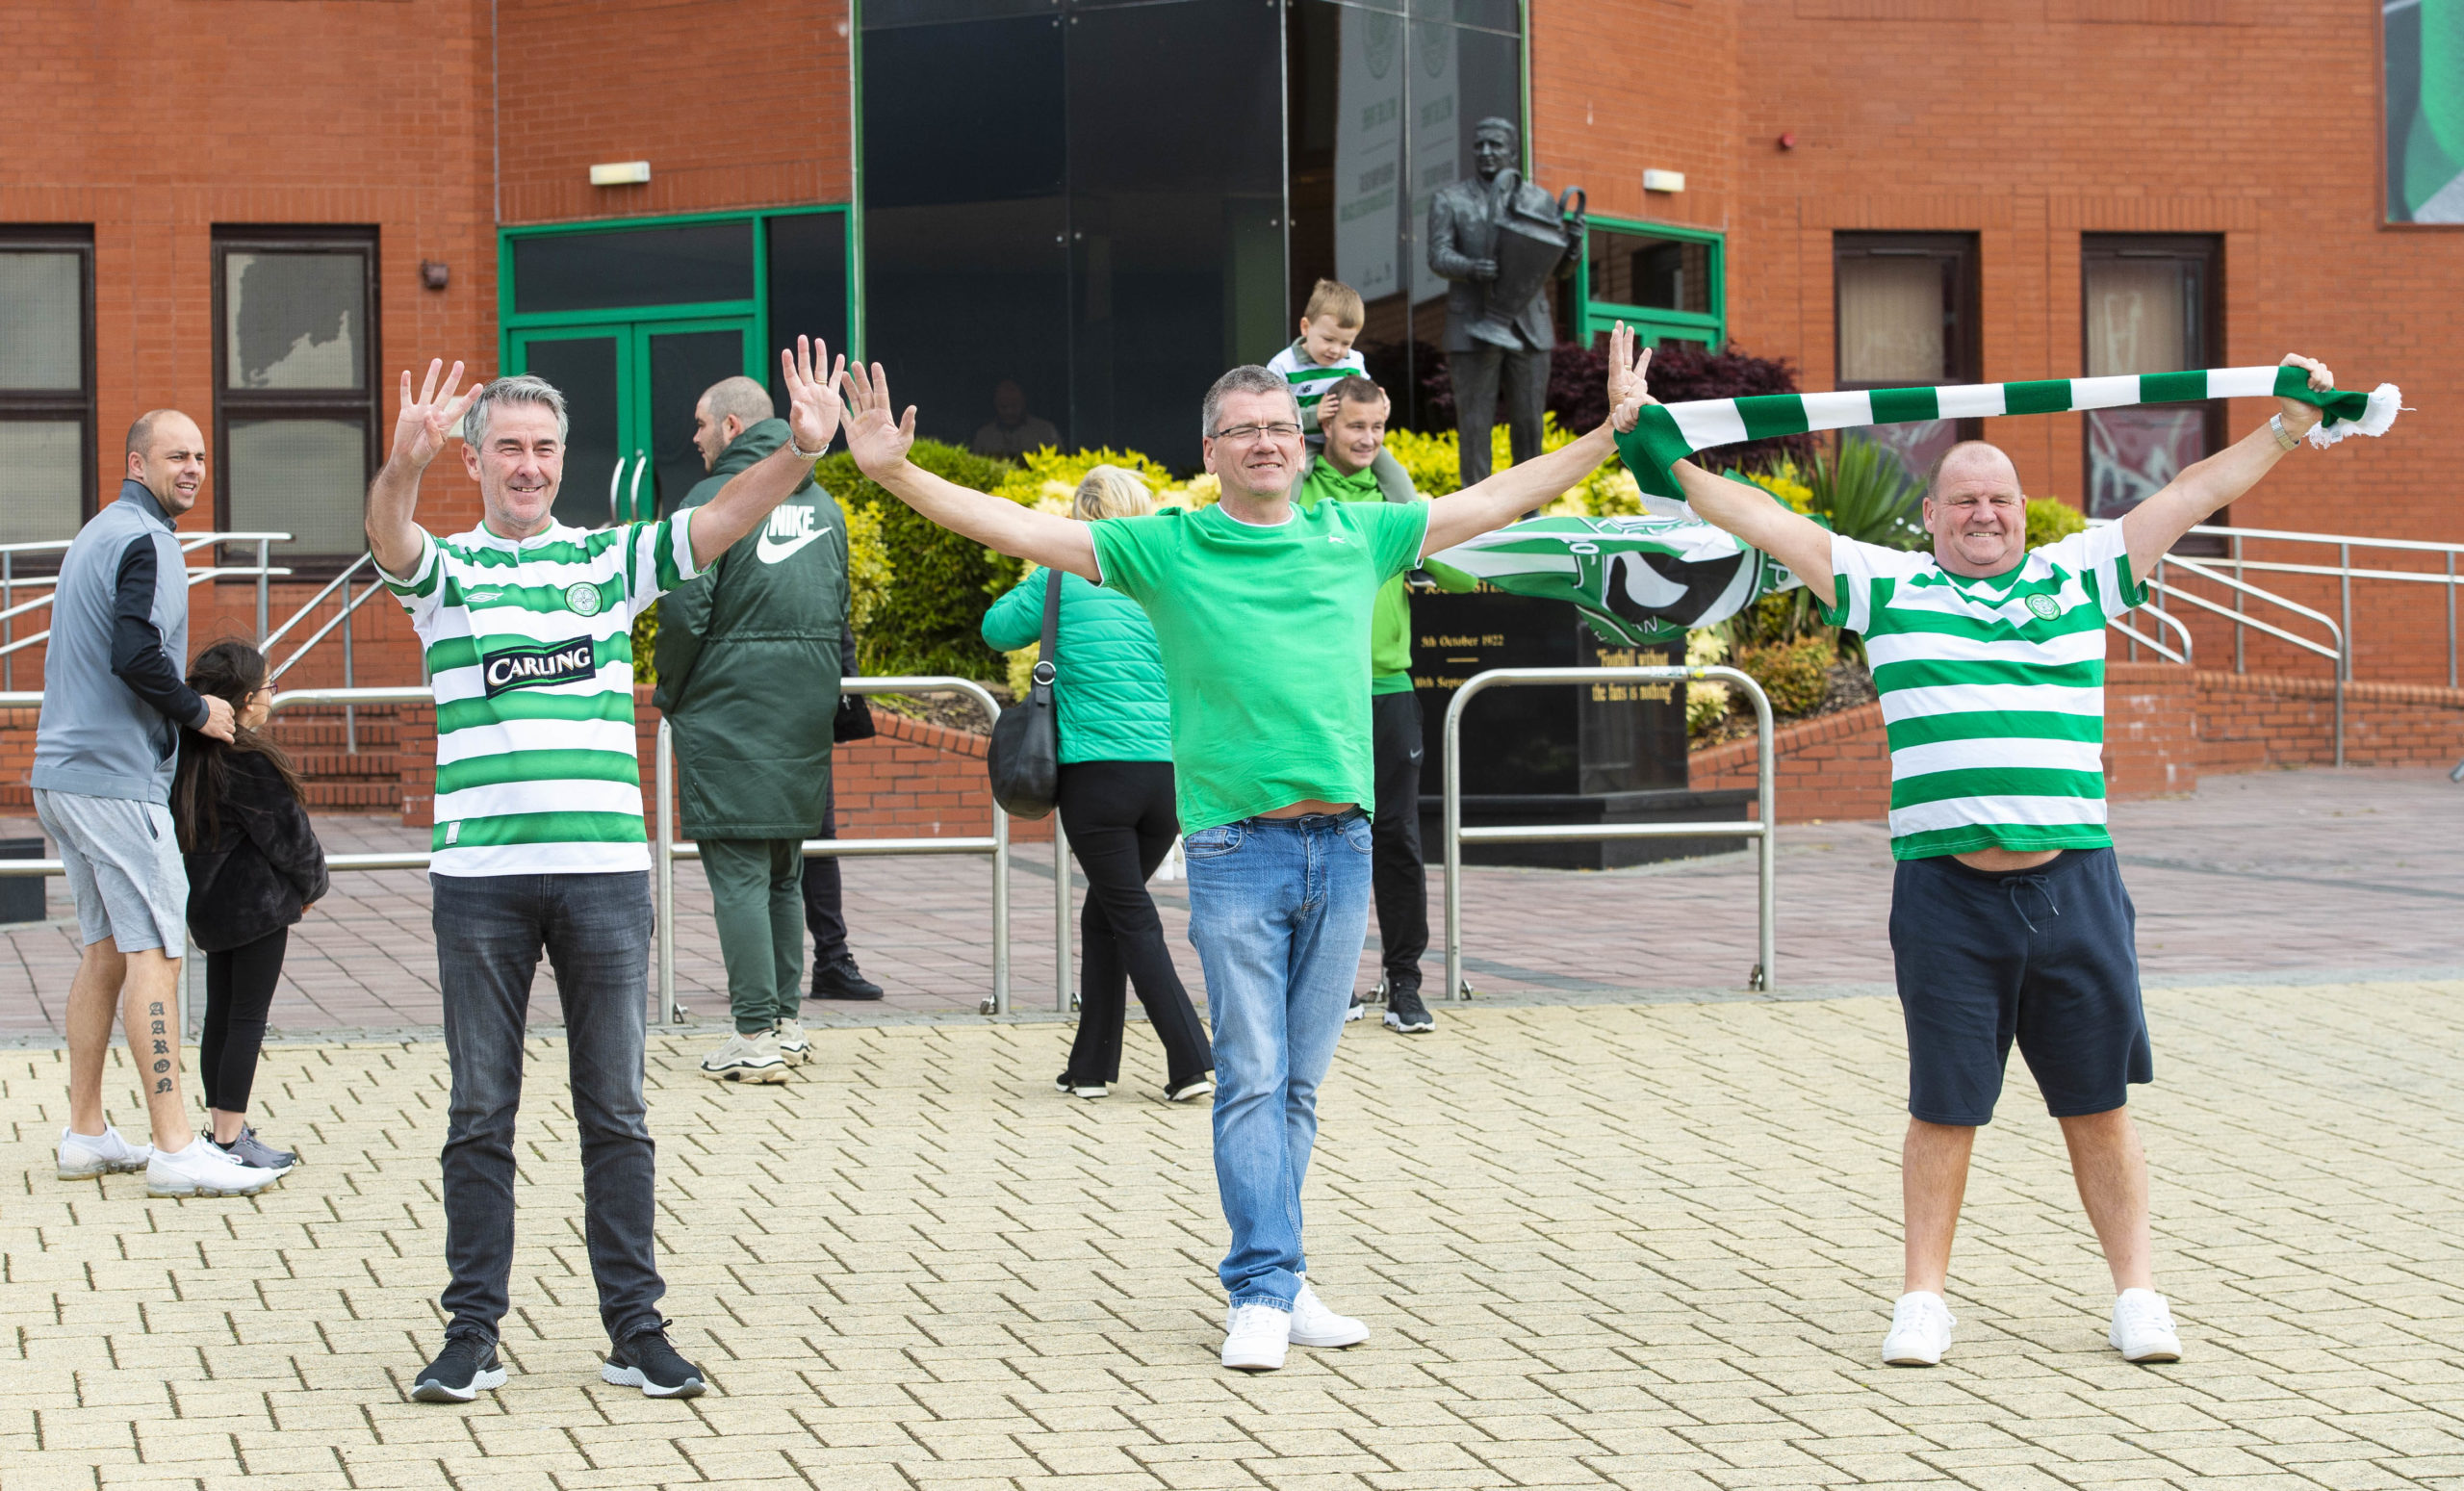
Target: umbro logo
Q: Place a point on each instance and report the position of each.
(789, 529)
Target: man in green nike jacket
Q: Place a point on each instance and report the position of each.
(749, 664)
(1353, 416)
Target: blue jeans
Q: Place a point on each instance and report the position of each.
(596, 930)
(1278, 913)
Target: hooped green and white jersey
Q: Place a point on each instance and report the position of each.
(1305, 377)
(530, 653)
(1992, 690)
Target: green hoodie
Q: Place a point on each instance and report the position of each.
(1390, 624)
(748, 661)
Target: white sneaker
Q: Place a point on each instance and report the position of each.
(1256, 1337)
(793, 1047)
(2143, 1330)
(753, 1058)
(1920, 1330)
(1314, 1325)
(84, 1156)
(202, 1170)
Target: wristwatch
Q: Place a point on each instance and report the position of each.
(2284, 438)
(803, 454)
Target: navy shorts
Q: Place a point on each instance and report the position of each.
(2043, 957)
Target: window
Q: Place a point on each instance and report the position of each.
(294, 392)
(46, 381)
(1906, 307)
(1663, 282)
(2148, 305)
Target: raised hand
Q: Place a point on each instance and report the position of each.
(427, 421)
(878, 440)
(813, 407)
(1628, 391)
(2299, 417)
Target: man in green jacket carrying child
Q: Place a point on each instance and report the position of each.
(1352, 412)
(747, 677)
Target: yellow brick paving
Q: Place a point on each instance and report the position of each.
(1643, 1246)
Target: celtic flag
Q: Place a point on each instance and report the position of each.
(1639, 581)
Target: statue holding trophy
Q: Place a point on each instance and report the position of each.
(1499, 240)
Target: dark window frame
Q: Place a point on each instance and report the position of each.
(364, 404)
(1964, 347)
(2207, 348)
(53, 404)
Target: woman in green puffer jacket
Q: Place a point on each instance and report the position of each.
(1116, 803)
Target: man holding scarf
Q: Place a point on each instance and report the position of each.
(1263, 609)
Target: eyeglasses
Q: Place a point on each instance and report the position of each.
(1248, 432)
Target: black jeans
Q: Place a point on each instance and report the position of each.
(1398, 877)
(238, 990)
(824, 915)
(596, 930)
(1122, 824)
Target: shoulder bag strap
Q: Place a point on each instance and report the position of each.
(1048, 654)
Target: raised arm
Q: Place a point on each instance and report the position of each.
(1518, 489)
(2156, 525)
(880, 442)
(812, 416)
(419, 433)
(1755, 516)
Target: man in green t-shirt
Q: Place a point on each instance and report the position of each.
(1263, 612)
(1352, 412)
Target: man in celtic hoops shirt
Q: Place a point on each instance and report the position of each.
(2008, 920)
(527, 626)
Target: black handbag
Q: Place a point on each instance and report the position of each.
(1024, 761)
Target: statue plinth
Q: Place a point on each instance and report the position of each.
(1601, 753)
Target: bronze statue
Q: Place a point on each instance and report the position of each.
(1500, 240)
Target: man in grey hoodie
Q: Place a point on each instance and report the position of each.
(113, 704)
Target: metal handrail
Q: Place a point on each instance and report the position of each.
(1763, 976)
(314, 601)
(2341, 655)
(667, 850)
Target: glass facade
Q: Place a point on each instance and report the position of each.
(1384, 96)
(1082, 200)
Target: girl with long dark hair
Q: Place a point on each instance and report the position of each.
(254, 866)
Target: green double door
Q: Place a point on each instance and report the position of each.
(629, 391)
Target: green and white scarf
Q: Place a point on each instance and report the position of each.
(1669, 433)
(1639, 581)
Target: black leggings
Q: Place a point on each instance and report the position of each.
(238, 990)
(1122, 824)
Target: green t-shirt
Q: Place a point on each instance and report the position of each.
(1390, 628)
(1265, 633)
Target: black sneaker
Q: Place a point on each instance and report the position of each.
(249, 1149)
(1406, 1013)
(466, 1368)
(842, 980)
(646, 1361)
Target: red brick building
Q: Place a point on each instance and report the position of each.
(263, 210)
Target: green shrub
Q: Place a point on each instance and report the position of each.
(645, 642)
(926, 616)
(1795, 674)
(1865, 493)
(2050, 519)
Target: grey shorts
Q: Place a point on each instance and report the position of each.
(124, 869)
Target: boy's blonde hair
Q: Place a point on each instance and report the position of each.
(1110, 492)
(1333, 297)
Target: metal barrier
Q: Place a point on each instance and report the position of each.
(666, 851)
(10, 608)
(1457, 835)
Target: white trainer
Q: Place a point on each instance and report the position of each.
(1314, 1325)
(1920, 1330)
(793, 1046)
(1256, 1337)
(201, 1170)
(753, 1058)
(84, 1156)
(2143, 1330)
